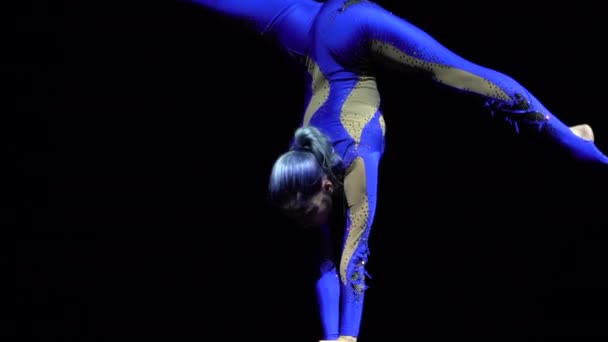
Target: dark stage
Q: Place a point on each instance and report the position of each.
(140, 136)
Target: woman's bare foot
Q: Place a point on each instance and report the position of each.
(583, 131)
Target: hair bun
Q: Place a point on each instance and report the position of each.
(304, 138)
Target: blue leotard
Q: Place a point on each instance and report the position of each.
(341, 42)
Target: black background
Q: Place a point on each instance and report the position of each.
(138, 136)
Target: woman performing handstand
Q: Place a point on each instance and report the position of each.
(339, 144)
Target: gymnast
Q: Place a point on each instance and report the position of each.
(336, 150)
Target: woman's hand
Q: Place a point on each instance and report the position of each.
(342, 339)
(347, 339)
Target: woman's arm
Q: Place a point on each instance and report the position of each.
(328, 287)
(360, 186)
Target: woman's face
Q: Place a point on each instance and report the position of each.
(315, 211)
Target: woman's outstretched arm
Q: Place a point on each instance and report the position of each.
(360, 186)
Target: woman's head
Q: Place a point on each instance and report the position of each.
(303, 179)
